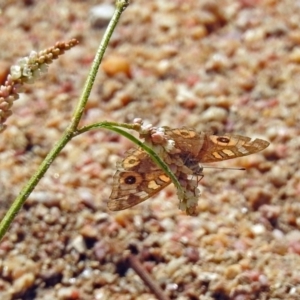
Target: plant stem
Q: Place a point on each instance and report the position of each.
(154, 156)
(31, 184)
(69, 132)
(120, 6)
(145, 276)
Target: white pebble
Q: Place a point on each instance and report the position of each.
(258, 229)
(101, 14)
(79, 244)
(214, 113)
(278, 234)
(65, 292)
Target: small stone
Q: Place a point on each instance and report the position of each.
(79, 244)
(67, 293)
(295, 56)
(198, 32)
(23, 283)
(254, 35)
(88, 231)
(115, 64)
(46, 198)
(100, 15)
(279, 176)
(218, 62)
(101, 250)
(192, 254)
(233, 271)
(214, 113)
(258, 229)
(174, 265)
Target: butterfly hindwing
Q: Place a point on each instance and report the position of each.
(137, 179)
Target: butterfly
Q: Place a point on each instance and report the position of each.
(139, 178)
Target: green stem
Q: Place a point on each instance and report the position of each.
(69, 132)
(31, 184)
(120, 6)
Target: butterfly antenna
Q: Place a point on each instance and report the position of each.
(225, 168)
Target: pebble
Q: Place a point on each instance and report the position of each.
(258, 229)
(233, 271)
(214, 113)
(295, 56)
(78, 244)
(192, 254)
(278, 176)
(115, 64)
(67, 293)
(175, 265)
(23, 283)
(101, 14)
(89, 231)
(49, 199)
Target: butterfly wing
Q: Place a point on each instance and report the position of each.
(218, 148)
(137, 179)
(188, 141)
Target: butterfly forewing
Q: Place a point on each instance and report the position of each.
(218, 148)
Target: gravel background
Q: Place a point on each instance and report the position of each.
(217, 66)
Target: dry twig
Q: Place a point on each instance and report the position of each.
(145, 276)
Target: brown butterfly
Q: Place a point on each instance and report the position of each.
(139, 178)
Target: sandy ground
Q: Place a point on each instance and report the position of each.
(217, 66)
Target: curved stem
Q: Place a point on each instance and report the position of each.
(154, 156)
